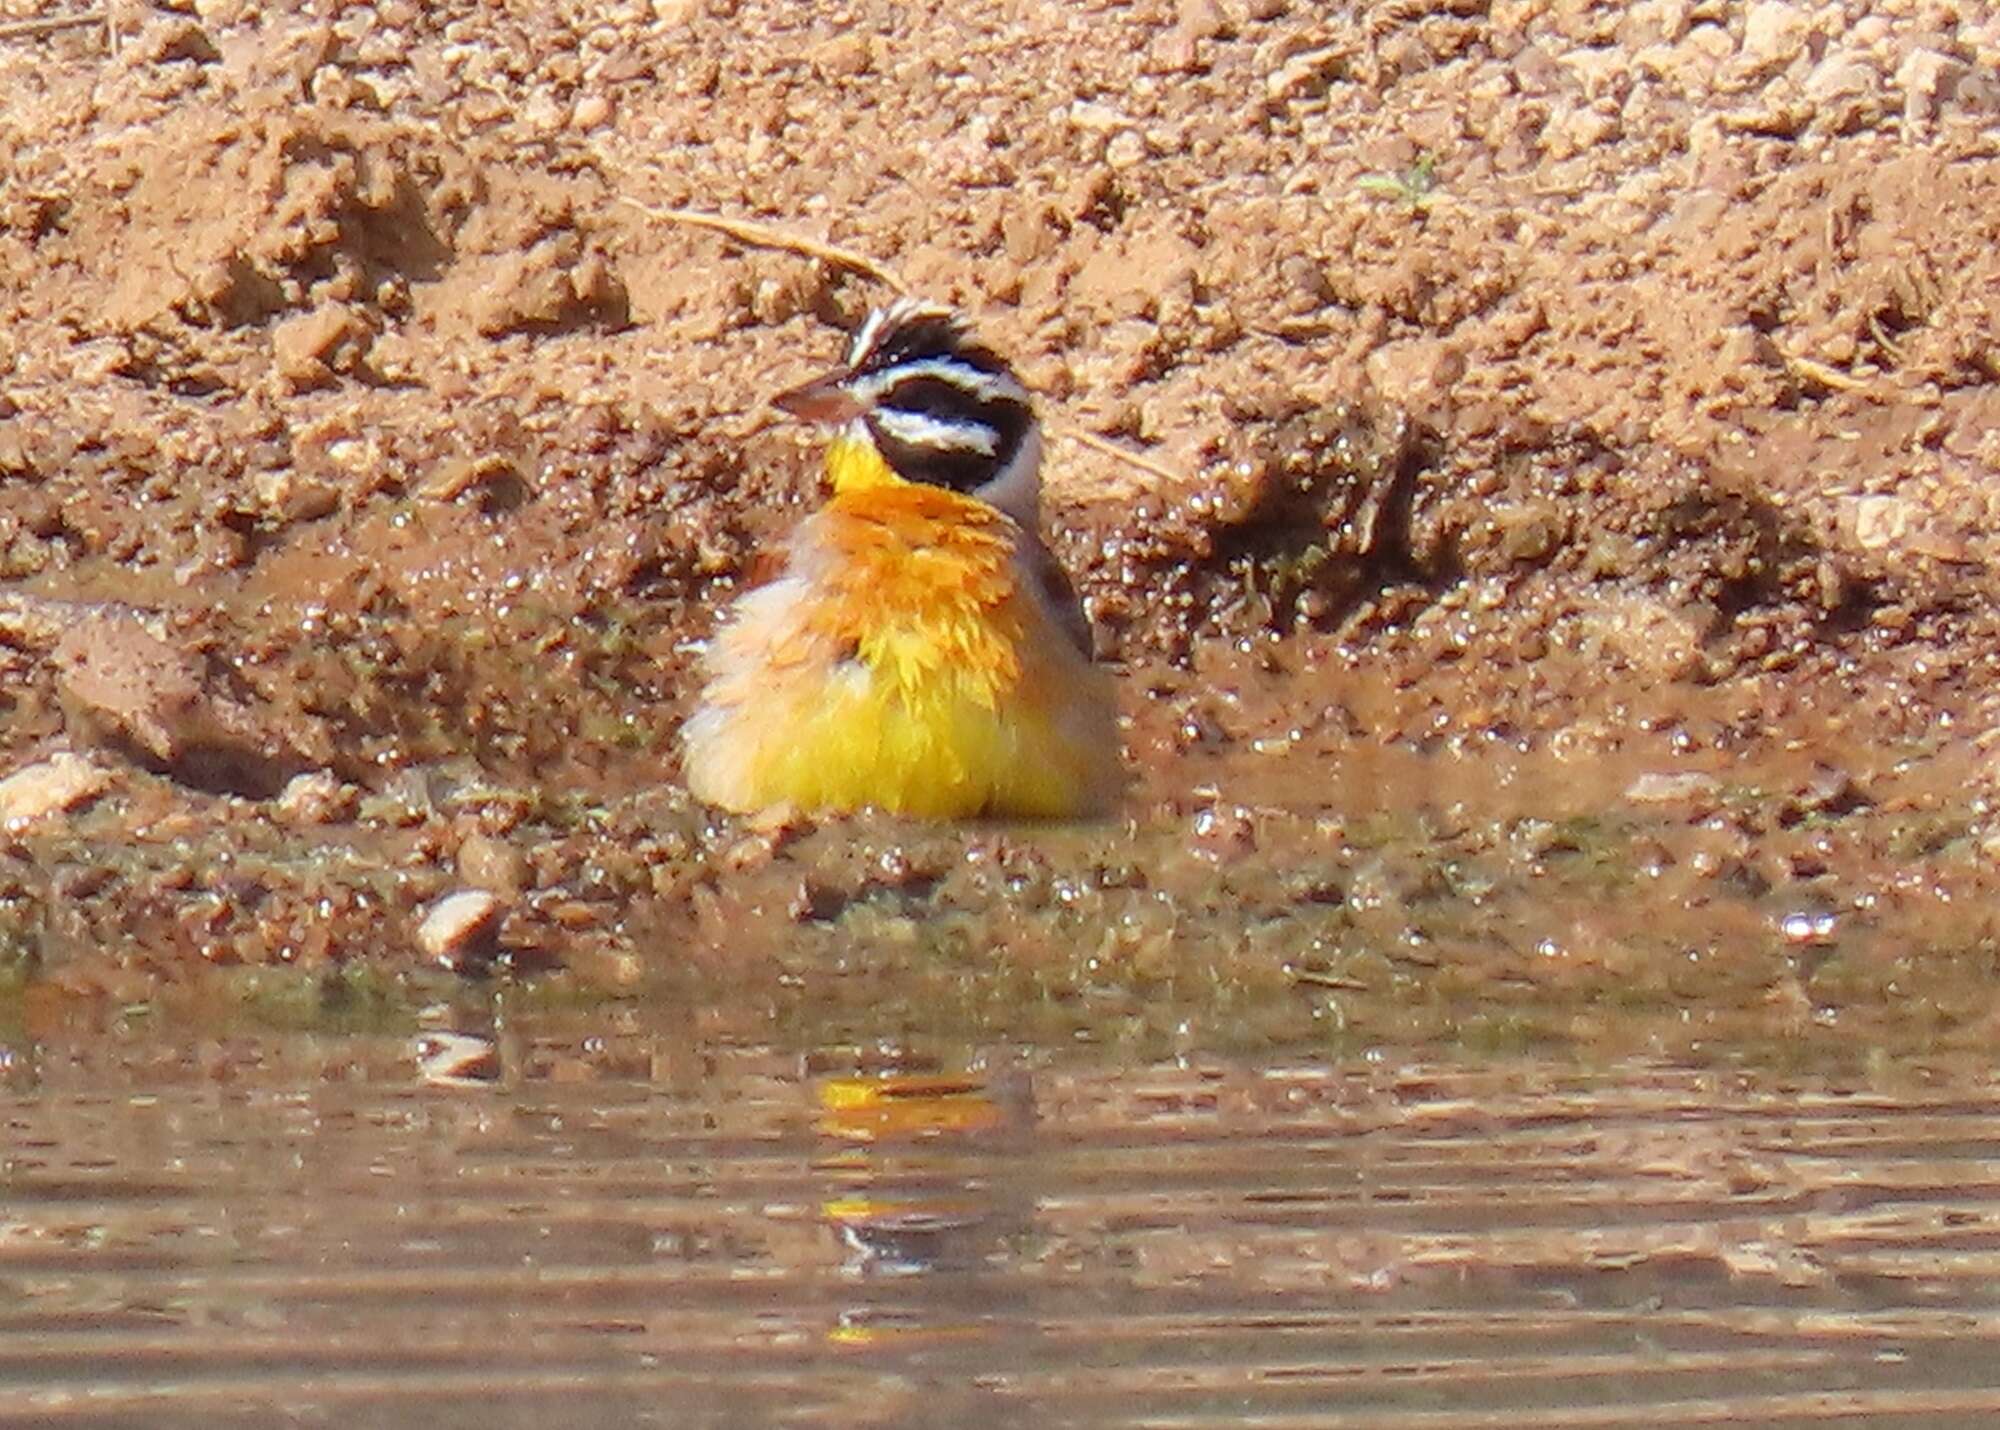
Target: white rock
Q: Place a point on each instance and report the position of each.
(461, 928)
(1927, 79)
(1773, 32)
(317, 798)
(48, 787)
(1127, 150)
(1417, 372)
(1655, 787)
(1840, 76)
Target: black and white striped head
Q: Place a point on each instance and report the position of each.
(939, 405)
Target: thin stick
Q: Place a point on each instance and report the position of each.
(759, 235)
(17, 29)
(1111, 449)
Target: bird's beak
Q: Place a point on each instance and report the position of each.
(822, 400)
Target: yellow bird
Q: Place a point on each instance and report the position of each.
(921, 651)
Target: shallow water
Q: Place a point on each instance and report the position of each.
(609, 1225)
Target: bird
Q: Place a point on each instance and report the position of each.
(920, 651)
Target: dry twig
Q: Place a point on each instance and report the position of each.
(20, 29)
(1111, 449)
(759, 235)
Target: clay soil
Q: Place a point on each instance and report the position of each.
(1548, 555)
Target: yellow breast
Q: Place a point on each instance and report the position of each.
(907, 658)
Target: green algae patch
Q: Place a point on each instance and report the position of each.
(351, 1000)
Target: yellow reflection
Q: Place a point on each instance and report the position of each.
(869, 1109)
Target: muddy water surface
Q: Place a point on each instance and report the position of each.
(578, 1217)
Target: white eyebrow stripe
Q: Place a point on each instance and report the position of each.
(903, 310)
(982, 386)
(920, 430)
(864, 337)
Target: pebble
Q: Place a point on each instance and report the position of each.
(289, 495)
(461, 929)
(1773, 32)
(50, 786)
(1127, 150)
(1881, 522)
(1089, 116)
(1416, 373)
(1927, 79)
(307, 349)
(543, 113)
(492, 864)
(1842, 77)
(1656, 787)
(1223, 833)
(318, 797)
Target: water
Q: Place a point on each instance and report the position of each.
(610, 1228)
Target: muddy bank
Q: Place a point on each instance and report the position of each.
(1561, 562)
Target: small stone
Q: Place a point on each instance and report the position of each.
(1127, 150)
(1416, 373)
(126, 686)
(1773, 32)
(1530, 531)
(1090, 116)
(1306, 76)
(462, 929)
(1882, 521)
(1175, 52)
(59, 783)
(492, 864)
(591, 111)
(1927, 79)
(1840, 76)
(1222, 834)
(1655, 787)
(1203, 19)
(394, 358)
(289, 496)
(455, 476)
(177, 40)
(845, 56)
(1660, 638)
(318, 797)
(543, 113)
(1844, 92)
(1198, 20)
(309, 349)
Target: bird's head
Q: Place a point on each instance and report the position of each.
(934, 404)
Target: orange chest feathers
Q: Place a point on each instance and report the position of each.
(912, 578)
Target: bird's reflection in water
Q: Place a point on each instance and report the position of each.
(911, 1204)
